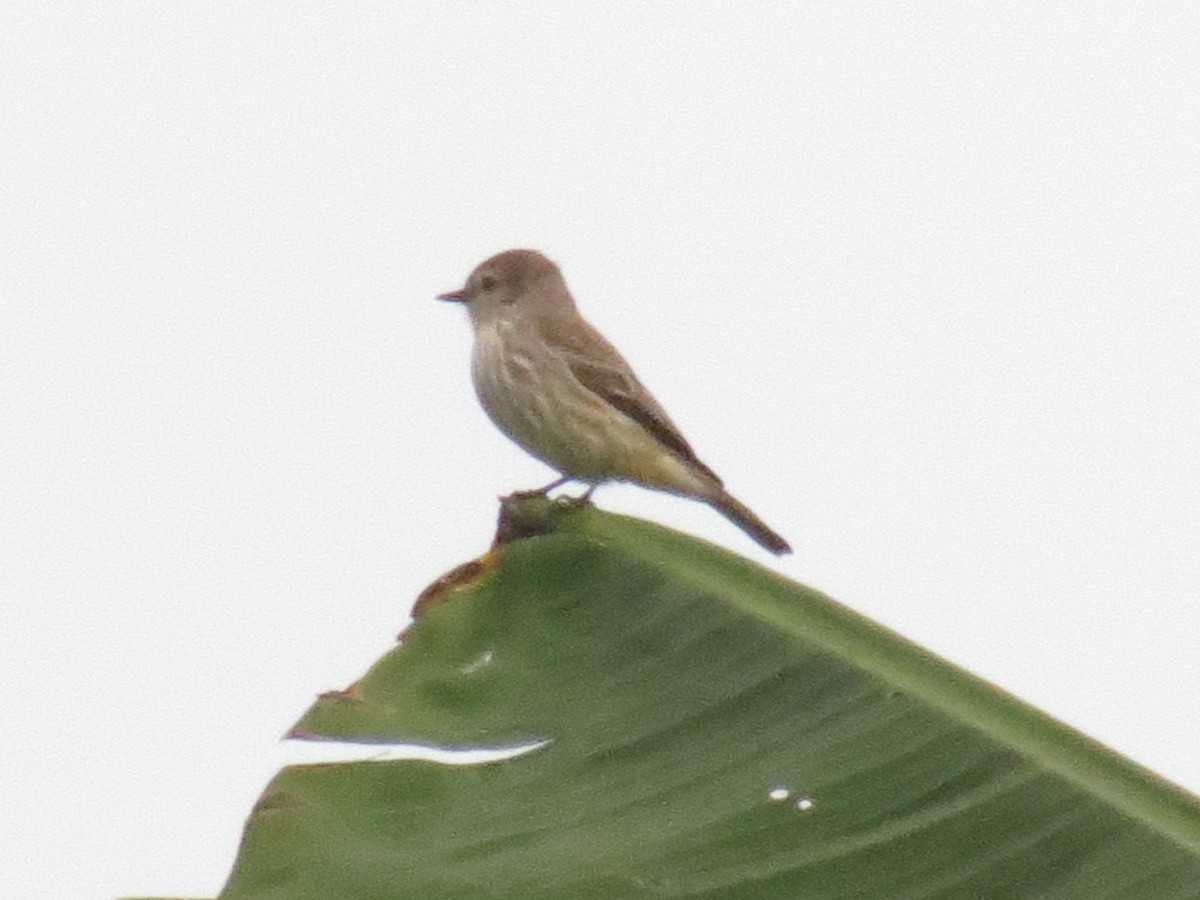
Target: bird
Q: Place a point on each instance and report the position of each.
(557, 388)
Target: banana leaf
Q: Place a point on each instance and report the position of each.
(694, 726)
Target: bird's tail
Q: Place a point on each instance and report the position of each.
(741, 516)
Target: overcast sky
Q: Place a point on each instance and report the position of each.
(921, 281)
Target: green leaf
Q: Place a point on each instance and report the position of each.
(714, 731)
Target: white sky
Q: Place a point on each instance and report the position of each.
(921, 282)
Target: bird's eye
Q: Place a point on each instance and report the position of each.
(487, 282)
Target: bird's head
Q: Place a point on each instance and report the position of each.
(512, 284)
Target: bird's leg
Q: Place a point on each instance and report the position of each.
(542, 492)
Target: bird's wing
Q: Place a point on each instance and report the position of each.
(598, 366)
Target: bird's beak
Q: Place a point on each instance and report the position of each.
(459, 296)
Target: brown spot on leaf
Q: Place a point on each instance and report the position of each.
(352, 694)
(525, 515)
(466, 575)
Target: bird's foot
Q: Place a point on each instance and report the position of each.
(526, 495)
(584, 499)
(539, 492)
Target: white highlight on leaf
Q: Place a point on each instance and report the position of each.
(482, 661)
(346, 751)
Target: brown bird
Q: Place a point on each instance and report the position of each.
(552, 383)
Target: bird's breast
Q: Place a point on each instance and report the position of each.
(505, 377)
(530, 392)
